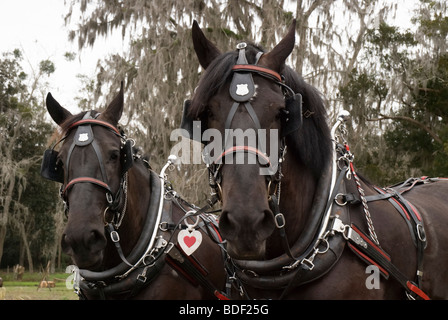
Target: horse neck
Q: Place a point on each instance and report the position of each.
(139, 196)
(298, 187)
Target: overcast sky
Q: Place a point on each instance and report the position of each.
(37, 28)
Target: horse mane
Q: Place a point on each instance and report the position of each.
(65, 126)
(311, 143)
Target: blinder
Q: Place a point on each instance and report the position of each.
(190, 124)
(292, 118)
(127, 158)
(50, 168)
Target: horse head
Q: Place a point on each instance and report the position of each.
(91, 164)
(249, 90)
(243, 102)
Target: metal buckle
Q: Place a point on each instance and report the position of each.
(421, 233)
(114, 236)
(356, 238)
(163, 226)
(308, 264)
(241, 45)
(109, 198)
(279, 220)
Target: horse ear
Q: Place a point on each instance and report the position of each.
(205, 50)
(58, 113)
(275, 59)
(114, 110)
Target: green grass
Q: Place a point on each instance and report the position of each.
(27, 288)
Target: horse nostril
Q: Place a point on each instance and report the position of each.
(95, 240)
(267, 224)
(65, 245)
(227, 225)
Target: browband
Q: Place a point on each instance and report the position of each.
(96, 122)
(263, 70)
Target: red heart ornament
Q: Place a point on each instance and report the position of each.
(189, 241)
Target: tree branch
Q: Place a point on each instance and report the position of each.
(410, 120)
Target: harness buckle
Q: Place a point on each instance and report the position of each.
(241, 45)
(421, 233)
(114, 236)
(307, 264)
(279, 220)
(109, 198)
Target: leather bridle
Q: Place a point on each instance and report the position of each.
(84, 137)
(242, 89)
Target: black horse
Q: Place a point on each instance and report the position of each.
(300, 230)
(124, 219)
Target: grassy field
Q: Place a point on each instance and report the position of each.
(28, 288)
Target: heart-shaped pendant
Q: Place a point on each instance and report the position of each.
(189, 241)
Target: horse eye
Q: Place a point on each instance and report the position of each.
(59, 162)
(283, 113)
(209, 113)
(114, 155)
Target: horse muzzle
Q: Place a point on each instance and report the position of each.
(246, 251)
(86, 247)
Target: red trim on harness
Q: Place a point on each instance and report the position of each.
(217, 233)
(220, 296)
(250, 67)
(370, 242)
(417, 290)
(181, 271)
(94, 121)
(404, 210)
(415, 211)
(196, 264)
(368, 259)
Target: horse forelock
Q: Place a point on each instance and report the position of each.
(218, 74)
(66, 125)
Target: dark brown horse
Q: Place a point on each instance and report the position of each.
(306, 229)
(123, 218)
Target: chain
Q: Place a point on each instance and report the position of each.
(348, 157)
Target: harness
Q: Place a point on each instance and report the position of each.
(336, 231)
(329, 230)
(52, 169)
(242, 90)
(155, 246)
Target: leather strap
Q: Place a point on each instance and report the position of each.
(364, 247)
